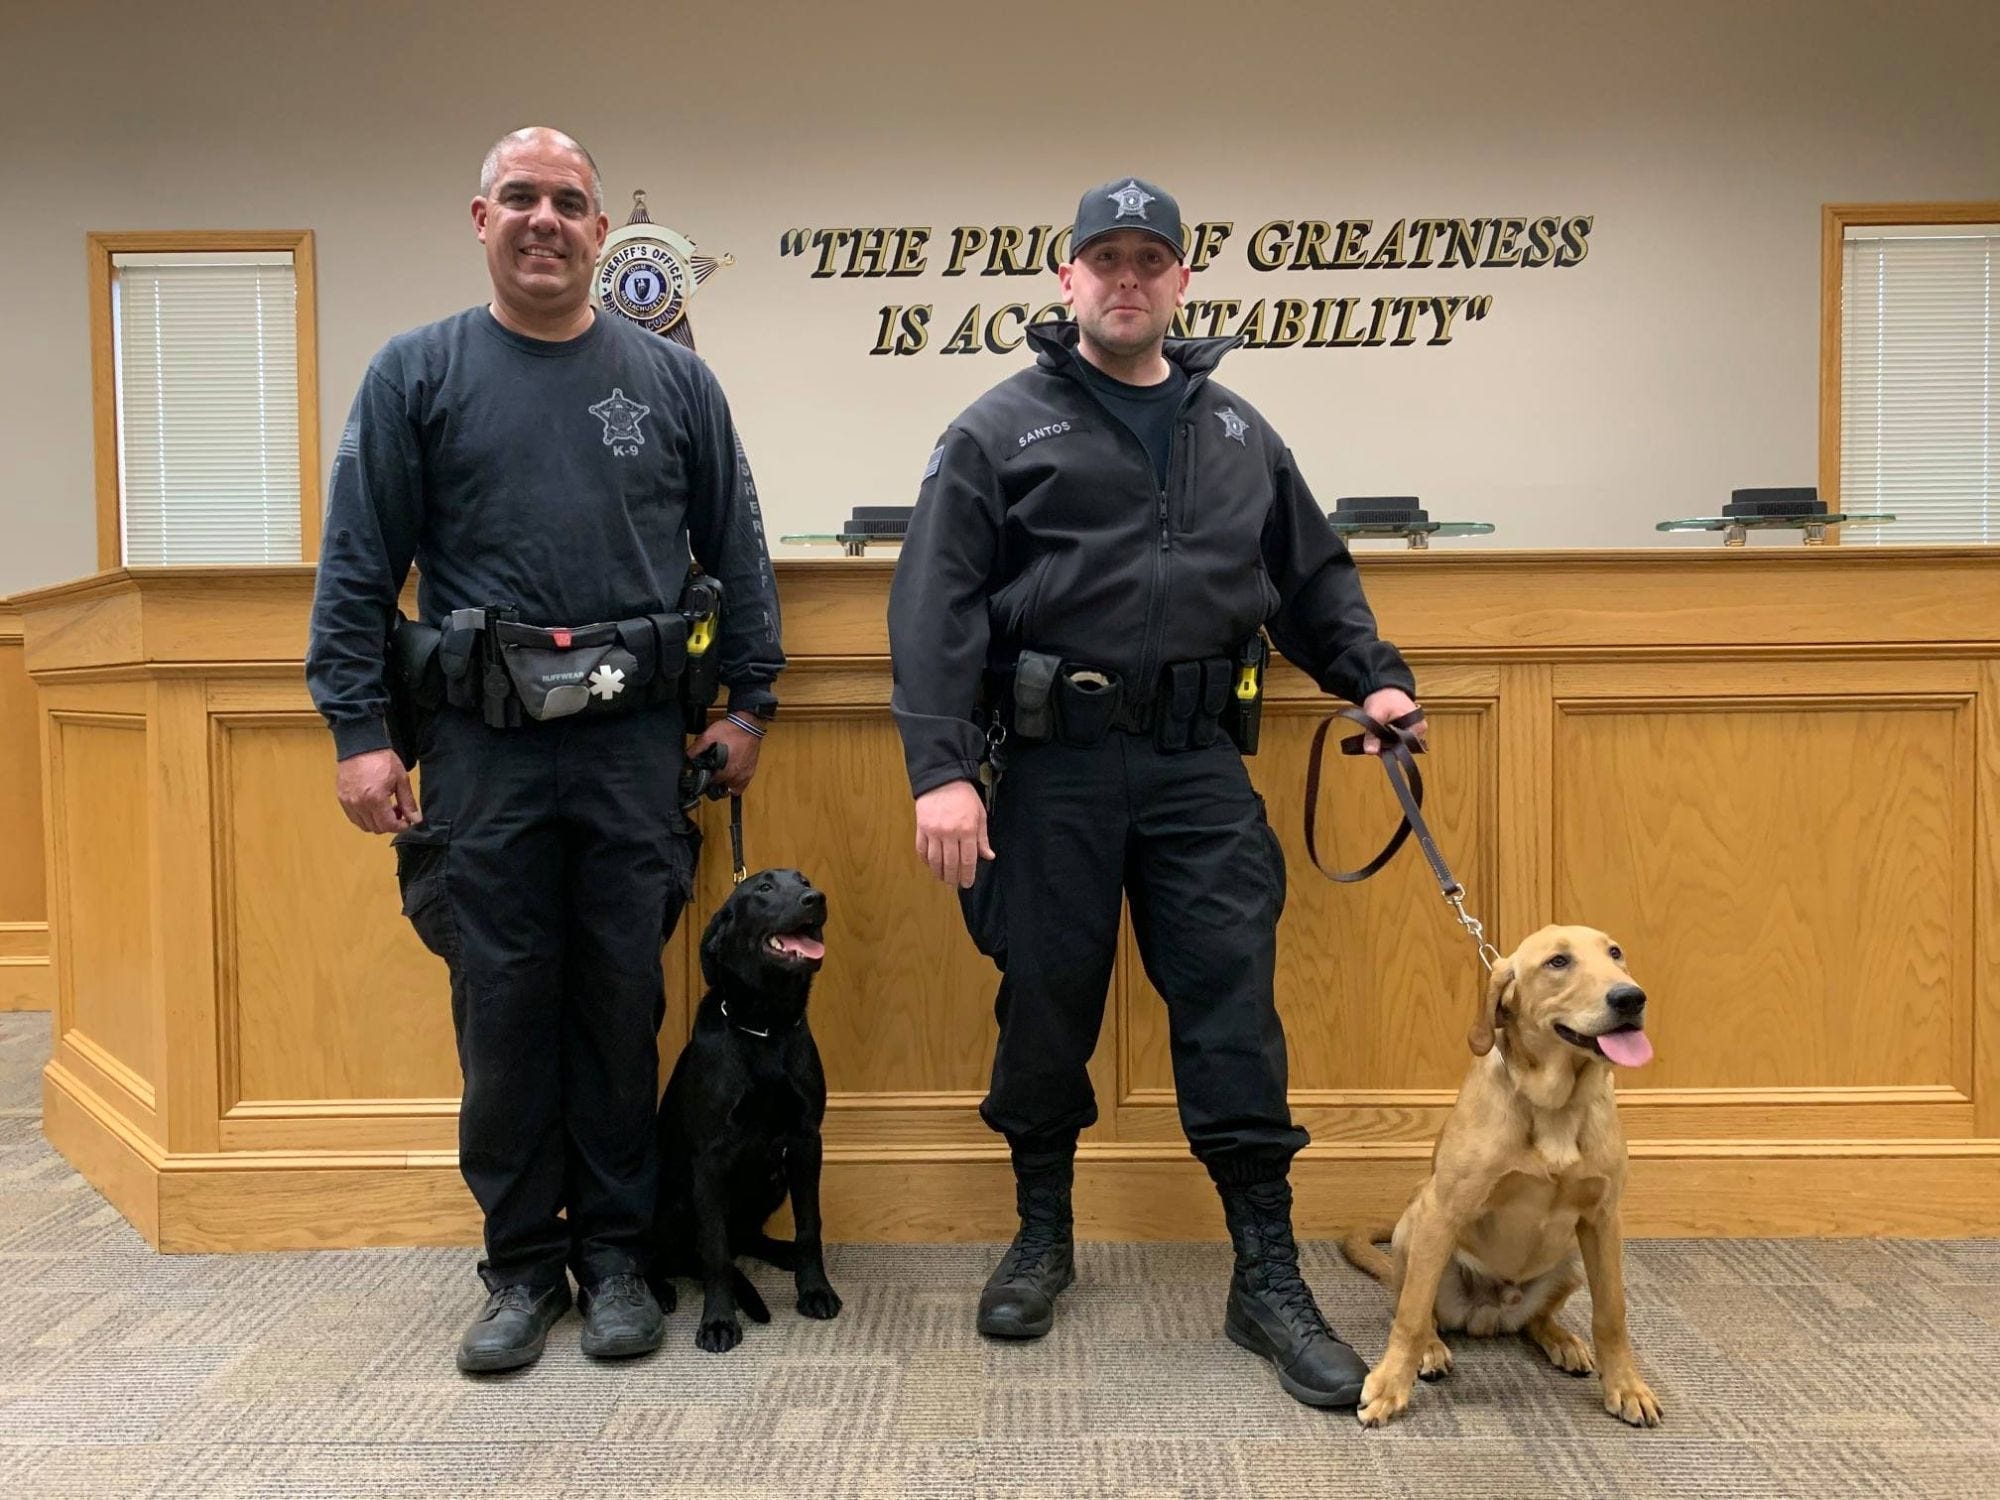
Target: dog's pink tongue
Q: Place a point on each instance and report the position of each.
(1629, 1049)
(804, 946)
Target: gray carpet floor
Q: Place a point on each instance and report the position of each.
(1787, 1368)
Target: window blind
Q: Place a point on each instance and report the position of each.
(208, 406)
(1919, 353)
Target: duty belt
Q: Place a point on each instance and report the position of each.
(487, 661)
(1136, 718)
(1190, 706)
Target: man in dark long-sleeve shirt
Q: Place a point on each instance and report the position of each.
(535, 454)
(1108, 530)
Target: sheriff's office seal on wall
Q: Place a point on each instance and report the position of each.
(645, 275)
(648, 273)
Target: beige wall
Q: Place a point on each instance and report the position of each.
(1678, 360)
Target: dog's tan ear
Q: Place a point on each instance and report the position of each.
(1492, 1014)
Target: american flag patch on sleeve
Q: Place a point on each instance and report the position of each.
(937, 457)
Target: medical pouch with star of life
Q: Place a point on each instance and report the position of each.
(596, 669)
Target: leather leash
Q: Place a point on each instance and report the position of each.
(697, 782)
(739, 874)
(1400, 747)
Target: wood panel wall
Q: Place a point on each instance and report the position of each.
(26, 982)
(1772, 775)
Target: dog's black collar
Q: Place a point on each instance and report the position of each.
(763, 1035)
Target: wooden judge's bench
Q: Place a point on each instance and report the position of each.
(1773, 774)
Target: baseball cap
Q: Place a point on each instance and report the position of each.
(1126, 203)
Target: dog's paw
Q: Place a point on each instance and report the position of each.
(1564, 1349)
(1630, 1399)
(1383, 1397)
(719, 1335)
(666, 1294)
(819, 1301)
(1435, 1362)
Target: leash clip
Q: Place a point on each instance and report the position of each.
(1488, 954)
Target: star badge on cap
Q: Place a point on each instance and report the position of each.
(1131, 200)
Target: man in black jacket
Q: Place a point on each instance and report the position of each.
(538, 455)
(1097, 544)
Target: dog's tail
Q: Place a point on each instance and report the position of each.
(1362, 1247)
(749, 1298)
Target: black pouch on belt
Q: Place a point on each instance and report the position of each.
(1215, 685)
(670, 637)
(641, 642)
(1180, 699)
(458, 657)
(415, 683)
(1034, 691)
(499, 704)
(1086, 701)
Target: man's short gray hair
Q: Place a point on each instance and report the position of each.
(489, 169)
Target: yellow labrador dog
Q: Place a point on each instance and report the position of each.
(1530, 1165)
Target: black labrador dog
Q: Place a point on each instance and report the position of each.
(739, 1123)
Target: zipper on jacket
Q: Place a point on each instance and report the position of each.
(1156, 602)
(1179, 439)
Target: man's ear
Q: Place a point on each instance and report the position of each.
(1493, 1013)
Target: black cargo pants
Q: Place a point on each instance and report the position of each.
(550, 865)
(1183, 837)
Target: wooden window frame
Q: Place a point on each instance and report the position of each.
(99, 248)
(1834, 220)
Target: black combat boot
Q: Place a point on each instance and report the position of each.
(512, 1328)
(1019, 1299)
(1271, 1309)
